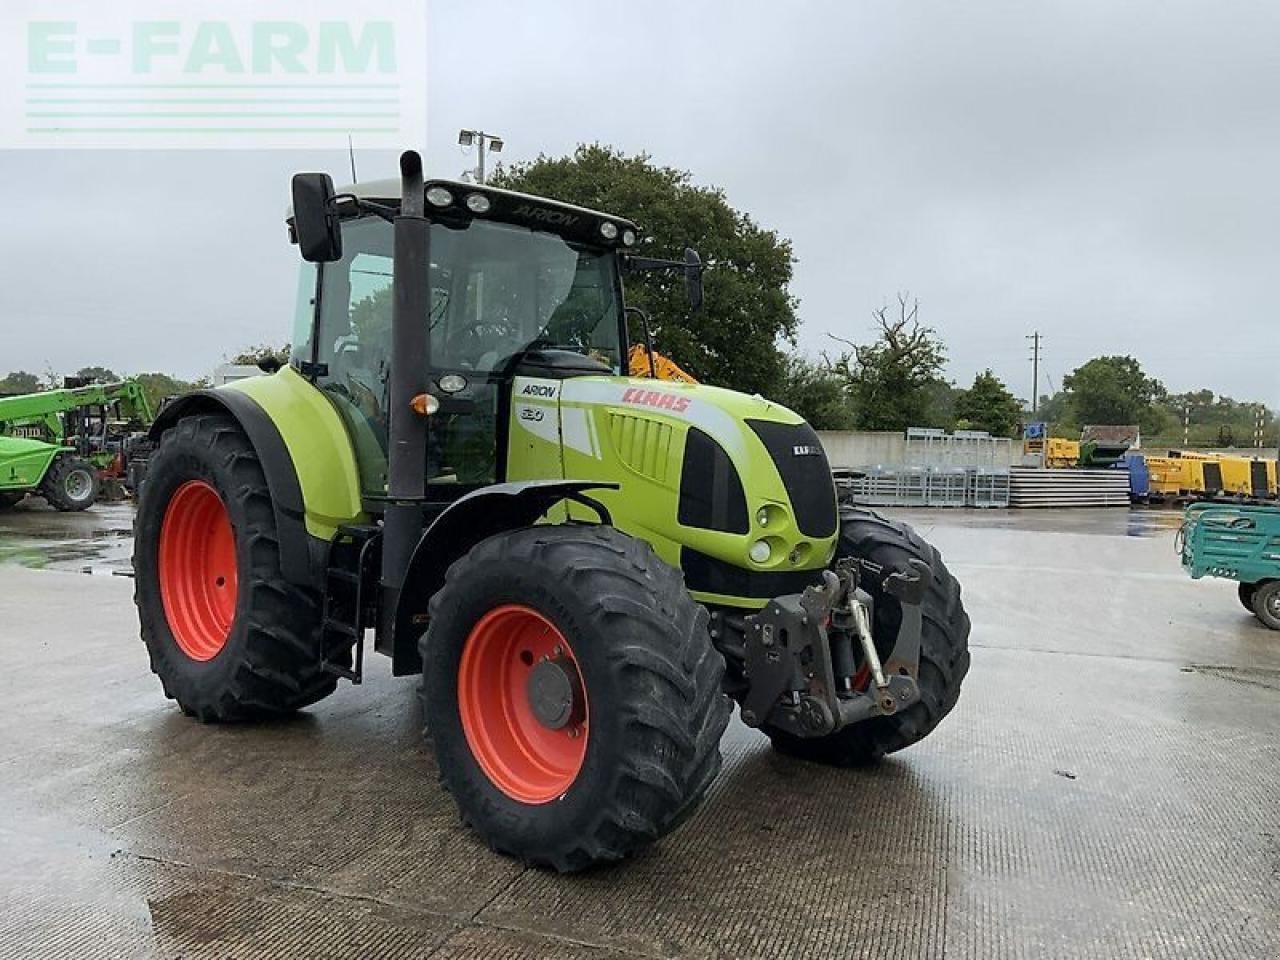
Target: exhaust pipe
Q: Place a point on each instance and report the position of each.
(407, 431)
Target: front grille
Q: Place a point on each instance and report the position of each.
(797, 453)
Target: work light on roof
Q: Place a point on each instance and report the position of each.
(609, 230)
(439, 197)
(477, 203)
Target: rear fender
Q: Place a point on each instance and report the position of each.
(307, 509)
(463, 524)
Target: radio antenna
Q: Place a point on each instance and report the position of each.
(351, 152)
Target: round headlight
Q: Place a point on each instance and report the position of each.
(609, 230)
(452, 383)
(628, 238)
(439, 197)
(477, 203)
(760, 552)
(762, 516)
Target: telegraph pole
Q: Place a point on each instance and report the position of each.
(1035, 339)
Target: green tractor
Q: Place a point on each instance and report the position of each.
(586, 568)
(57, 443)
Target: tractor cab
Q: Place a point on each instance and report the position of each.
(518, 286)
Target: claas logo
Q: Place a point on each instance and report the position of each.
(656, 398)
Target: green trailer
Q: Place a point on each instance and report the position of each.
(1236, 542)
(55, 443)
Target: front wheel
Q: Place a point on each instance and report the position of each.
(572, 694)
(886, 546)
(70, 485)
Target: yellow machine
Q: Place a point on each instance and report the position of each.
(1060, 452)
(1191, 473)
(664, 368)
(1171, 476)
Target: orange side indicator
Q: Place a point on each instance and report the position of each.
(424, 404)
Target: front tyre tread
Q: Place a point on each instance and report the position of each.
(653, 686)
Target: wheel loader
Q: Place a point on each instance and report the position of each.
(586, 568)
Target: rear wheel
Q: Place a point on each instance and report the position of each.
(228, 636)
(885, 546)
(8, 500)
(1266, 603)
(70, 484)
(1245, 592)
(572, 694)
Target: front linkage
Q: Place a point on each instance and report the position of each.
(801, 660)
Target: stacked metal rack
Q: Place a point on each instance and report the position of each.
(925, 487)
(960, 469)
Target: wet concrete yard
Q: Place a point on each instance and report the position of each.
(1109, 786)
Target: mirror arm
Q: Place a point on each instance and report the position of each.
(367, 206)
(645, 264)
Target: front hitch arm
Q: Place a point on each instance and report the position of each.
(799, 654)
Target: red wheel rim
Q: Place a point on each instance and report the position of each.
(198, 580)
(523, 757)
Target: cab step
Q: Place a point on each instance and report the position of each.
(350, 597)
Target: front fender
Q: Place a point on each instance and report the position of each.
(464, 523)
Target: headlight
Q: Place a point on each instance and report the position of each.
(439, 197)
(762, 517)
(477, 203)
(452, 383)
(760, 552)
(609, 230)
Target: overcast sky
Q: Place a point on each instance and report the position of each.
(1105, 172)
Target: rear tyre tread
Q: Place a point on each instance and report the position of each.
(277, 671)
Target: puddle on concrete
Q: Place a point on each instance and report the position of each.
(99, 540)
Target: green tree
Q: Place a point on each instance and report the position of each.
(19, 381)
(157, 386)
(260, 351)
(97, 374)
(1216, 420)
(732, 340)
(892, 381)
(1115, 390)
(988, 405)
(815, 392)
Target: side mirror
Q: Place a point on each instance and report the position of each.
(315, 218)
(693, 277)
